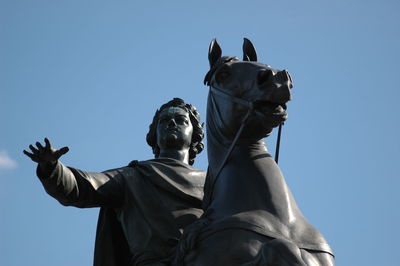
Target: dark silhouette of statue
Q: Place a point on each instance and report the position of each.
(251, 217)
(144, 206)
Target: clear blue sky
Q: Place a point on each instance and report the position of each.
(90, 74)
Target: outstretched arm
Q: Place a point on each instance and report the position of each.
(72, 187)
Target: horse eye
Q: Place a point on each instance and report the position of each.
(222, 76)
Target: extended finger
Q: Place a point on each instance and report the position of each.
(48, 145)
(39, 145)
(64, 150)
(30, 155)
(61, 152)
(33, 149)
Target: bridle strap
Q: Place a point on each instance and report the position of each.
(248, 104)
(250, 107)
(225, 95)
(238, 133)
(228, 153)
(278, 143)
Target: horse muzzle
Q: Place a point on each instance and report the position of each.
(275, 88)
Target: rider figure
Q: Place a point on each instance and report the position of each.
(144, 206)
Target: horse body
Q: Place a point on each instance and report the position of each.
(252, 216)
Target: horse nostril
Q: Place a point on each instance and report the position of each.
(264, 76)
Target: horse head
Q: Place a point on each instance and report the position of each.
(241, 87)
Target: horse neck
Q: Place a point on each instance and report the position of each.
(218, 144)
(243, 150)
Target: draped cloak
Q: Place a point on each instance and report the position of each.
(144, 207)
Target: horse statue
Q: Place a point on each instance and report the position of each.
(251, 217)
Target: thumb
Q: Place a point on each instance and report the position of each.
(62, 151)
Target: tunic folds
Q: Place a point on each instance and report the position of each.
(144, 207)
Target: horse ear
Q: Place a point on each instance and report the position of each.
(249, 52)
(214, 52)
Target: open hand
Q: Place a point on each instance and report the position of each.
(46, 155)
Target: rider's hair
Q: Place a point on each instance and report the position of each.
(196, 145)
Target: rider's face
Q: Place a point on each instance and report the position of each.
(174, 129)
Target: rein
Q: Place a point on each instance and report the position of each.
(243, 123)
(250, 107)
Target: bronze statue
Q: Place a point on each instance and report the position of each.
(251, 217)
(144, 206)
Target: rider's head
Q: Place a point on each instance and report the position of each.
(174, 114)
